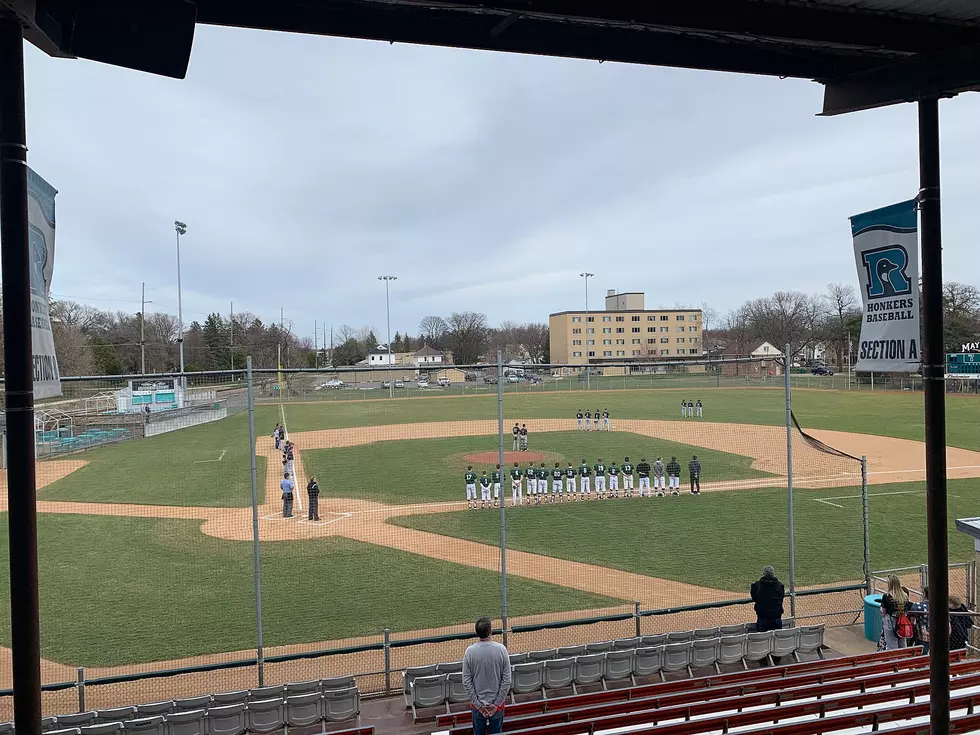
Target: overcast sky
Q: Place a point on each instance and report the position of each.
(306, 167)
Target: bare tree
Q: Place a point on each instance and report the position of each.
(432, 329)
(74, 353)
(738, 332)
(841, 306)
(345, 332)
(786, 317)
(961, 314)
(467, 336)
(709, 317)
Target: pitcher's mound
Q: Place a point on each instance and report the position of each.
(509, 457)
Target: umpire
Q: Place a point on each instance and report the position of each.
(694, 467)
(313, 493)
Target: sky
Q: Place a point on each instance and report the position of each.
(305, 167)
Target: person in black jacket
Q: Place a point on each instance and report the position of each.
(313, 494)
(959, 625)
(767, 594)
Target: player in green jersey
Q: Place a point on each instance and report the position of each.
(531, 475)
(470, 479)
(627, 478)
(557, 477)
(570, 481)
(484, 490)
(542, 484)
(600, 479)
(516, 487)
(495, 478)
(614, 480)
(585, 472)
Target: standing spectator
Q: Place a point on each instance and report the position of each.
(959, 625)
(287, 486)
(922, 621)
(894, 602)
(694, 467)
(700, 408)
(768, 594)
(313, 494)
(486, 678)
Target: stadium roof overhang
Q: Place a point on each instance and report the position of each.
(866, 53)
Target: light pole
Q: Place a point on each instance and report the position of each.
(588, 370)
(181, 229)
(387, 279)
(143, 303)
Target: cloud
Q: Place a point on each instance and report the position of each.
(305, 167)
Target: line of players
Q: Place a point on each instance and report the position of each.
(568, 481)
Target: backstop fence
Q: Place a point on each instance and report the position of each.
(660, 491)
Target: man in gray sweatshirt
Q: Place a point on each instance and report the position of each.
(486, 678)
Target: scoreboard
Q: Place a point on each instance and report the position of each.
(963, 365)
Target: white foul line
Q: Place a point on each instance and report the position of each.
(826, 501)
(220, 457)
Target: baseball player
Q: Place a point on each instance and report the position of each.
(659, 482)
(698, 407)
(531, 475)
(643, 470)
(556, 484)
(614, 479)
(674, 472)
(523, 437)
(495, 478)
(484, 490)
(600, 478)
(516, 487)
(579, 416)
(690, 408)
(595, 420)
(605, 420)
(470, 479)
(683, 409)
(517, 436)
(570, 481)
(542, 483)
(694, 467)
(628, 478)
(585, 472)
(588, 421)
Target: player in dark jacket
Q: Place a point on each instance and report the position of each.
(643, 470)
(694, 467)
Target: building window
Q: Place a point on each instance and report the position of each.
(695, 317)
(692, 329)
(620, 318)
(651, 341)
(693, 340)
(620, 341)
(636, 330)
(607, 353)
(636, 318)
(590, 318)
(680, 340)
(680, 317)
(651, 318)
(607, 341)
(665, 352)
(576, 354)
(664, 318)
(680, 329)
(576, 330)
(620, 330)
(607, 318)
(664, 329)
(576, 319)
(620, 353)
(636, 353)
(591, 353)
(651, 329)
(636, 341)
(664, 341)
(590, 330)
(693, 352)
(607, 330)
(576, 341)
(590, 342)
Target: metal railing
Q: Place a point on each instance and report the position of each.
(967, 569)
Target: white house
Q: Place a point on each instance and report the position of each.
(428, 356)
(379, 356)
(766, 350)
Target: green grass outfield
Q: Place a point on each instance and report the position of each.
(723, 539)
(893, 413)
(177, 468)
(427, 470)
(120, 590)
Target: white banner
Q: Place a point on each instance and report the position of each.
(886, 252)
(40, 204)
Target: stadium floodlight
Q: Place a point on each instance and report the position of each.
(588, 382)
(181, 229)
(387, 280)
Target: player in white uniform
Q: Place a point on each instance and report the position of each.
(659, 481)
(516, 486)
(585, 472)
(628, 478)
(557, 477)
(543, 483)
(614, 479)
(699, 408)
(484, 490)
(470, 479)
(580, 417)
(570, 481)
(588, 421)
(532, 481)
(595, 420)
(600, 478)
(605, 420)
(495, 478)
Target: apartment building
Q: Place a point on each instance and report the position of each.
(624, 331)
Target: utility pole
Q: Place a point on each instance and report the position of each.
(387, 280)
(316, 354)
(231, 335)
(588, 369)
(142, 322)
(181, 229)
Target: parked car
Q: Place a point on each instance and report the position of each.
(444, 382)
(399, 383)
(490, 379)
(331, 384)
(513, 378)
(822, 371)
(423, 383)
(386, 384)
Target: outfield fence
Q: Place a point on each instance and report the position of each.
(163, 579)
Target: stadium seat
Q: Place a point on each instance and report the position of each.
(105, 728)
(588, 670)
(625, 644)
(303, 687)
(303, 710)
(6, 728)
(758, 646)
(732, 630)
(191, 704)
(811, 641)
(784, 643)
(155, 708)
(571, 651)
(617, 666)
(559, 673)
(455, 667)
(227, 719)
(225, 698)
(705, 633)
(681, 636)
(518, 658)
(545, 655)
(115, 714)
(428, 692)
(265, 715)
(75, 719)
(455, 691)
(155, 725)
(263, 693)
(647, 662)
(346, 682)
(410, 674)
(731, 650)
(49, 723)
(65, 731)
(600, 647)
(651, 641)
(704, 653)
(341, 705)
(677, 657)
(188, 722)
(527, 678)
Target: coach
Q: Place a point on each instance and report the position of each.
(486, 678)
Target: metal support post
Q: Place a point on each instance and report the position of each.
(867, 535)
(80, 686)
(503, 518)
(387, 655)
(789, 486)
(18, 389)
(636, 616)
(256, 569)
(934, 390)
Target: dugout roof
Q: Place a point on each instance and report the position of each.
(868, 52)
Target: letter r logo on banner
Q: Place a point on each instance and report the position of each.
(887, 272)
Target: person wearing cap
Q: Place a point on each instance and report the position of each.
(313, 495)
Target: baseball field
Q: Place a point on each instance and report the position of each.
(146, 554)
